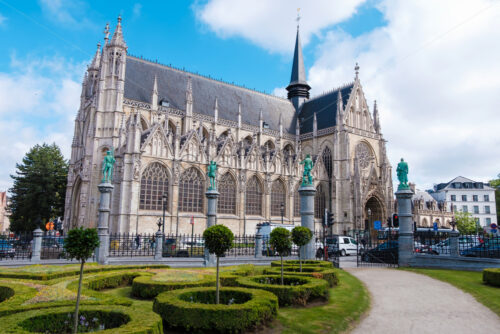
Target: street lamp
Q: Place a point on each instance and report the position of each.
(164, 203)
(369, 211)
(159, 224)
(282, 209)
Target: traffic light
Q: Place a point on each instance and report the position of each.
(395, 220)
(330, 219)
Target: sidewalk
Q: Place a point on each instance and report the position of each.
(406, 302)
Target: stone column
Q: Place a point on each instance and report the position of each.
(307, 252)
(103, 223)
(405, 252)
(454, 251)
(212, 196)
(258, 246)
(159, 246)
(37, 245)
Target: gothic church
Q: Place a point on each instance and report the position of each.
(166, 124)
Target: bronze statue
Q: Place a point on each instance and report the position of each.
(212, 174)
(307, 179)
(402, 171)
(107, 166)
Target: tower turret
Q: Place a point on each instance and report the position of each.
(298, 89)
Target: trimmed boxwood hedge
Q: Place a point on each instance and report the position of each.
(491, 276)
(5, 293)
(178, 311)
(145, 287)
(141, 321)
(305, 263)
(308, 288)
(330, 275)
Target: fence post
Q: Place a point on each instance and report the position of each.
(37, 245)
(454, 243)
(307, 193)
(258, 246)
(405, 240)
(159, 246)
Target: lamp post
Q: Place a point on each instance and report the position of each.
(164, 203)
(369, 211)
(282, 209)
(159, 224)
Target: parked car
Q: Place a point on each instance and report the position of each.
(343, 245)
(464, 242)
(386, 252)
(6, 249)
(489, 248)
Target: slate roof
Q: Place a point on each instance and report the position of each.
(462, 180)
(172, 83)
(325, 107)
(298, 70)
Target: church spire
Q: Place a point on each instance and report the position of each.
(117, 39)
(298, 89)
(376, 120)
(154, 95)
(97, 59)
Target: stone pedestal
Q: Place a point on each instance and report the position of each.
(103, 223)
(307, 252)
(454, 243)
(159, 246)
(37, 245)
(258, 246)
(212, 196)
(406, 245)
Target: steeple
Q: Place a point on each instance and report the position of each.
(117, 39)
(298, 89)
(96, 60)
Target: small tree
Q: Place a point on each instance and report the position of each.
(79, 244)
(218, 240)
(466, 224)
(280, 241)
(301, 235)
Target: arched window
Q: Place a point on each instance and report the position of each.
(278, 196)
(191, 188)
(319, 201)
(227, 198)
(253, 201)
(327, 161)
(154, 183)
(296, 203)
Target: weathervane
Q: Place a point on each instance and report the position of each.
(298, 17)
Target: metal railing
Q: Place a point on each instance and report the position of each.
(242, 246)
(15, 246)
(130, 245)
(52, 246)
(479, 245)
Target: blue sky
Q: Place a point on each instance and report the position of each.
(399, 45)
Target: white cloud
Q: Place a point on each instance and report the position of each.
(39, 99)
(270, 24)
(2, 19)
(71, 13)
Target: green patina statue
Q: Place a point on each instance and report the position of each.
(212, 174)
(107, 166)
(307, 179)
(402, 171)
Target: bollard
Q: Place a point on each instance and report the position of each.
(159, 246)
(37, 245)
(454, 243)
(258, 246)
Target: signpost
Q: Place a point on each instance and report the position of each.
(377, 225)
(435, 226)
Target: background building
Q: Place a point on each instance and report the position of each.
(466, 195)
(166, 124)
(4, 212)
(426, 210)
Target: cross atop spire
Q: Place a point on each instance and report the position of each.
(298, 18)
(106, 33)
(356, 70)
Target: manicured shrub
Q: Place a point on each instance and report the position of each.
(147, 288)
(309, 263)
(491, 276)
(195, 309)
(301, 235)
(114, 280)
(136, 320)
(296, 290)
(329, 275)
(5, 293)
(279, 238)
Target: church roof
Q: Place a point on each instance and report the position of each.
(172, 83)
(298, 70)
(325, 107)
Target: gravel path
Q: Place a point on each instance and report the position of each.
(405, 302)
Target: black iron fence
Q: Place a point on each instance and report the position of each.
(130, 245)
(430, 242)
(479, 245)
(184, 245)
(15, 246)
(52, 246)
(242, 246)
(375, 251)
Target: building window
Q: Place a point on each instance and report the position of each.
(486, 198)
(487, 209)
(191, 188)
(464, 198)
(474, 198)
(296, 203)
(253, 201)
(154, 183)
(488, 221)
(476, 208)
(464, 208)
(454, 208)
(227, 198)
(327, 161)
(453, 198)
(319, 201)
(278, 196)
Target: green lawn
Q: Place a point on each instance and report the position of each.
(468, 281)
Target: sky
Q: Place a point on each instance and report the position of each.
(432, 66)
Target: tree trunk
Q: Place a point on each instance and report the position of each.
(281, 269)
(217, 283)
(300, 258)
(75, 320)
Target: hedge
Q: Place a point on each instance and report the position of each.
(330, 275)
(491, 276)
(229, 278)
(305, 263)
(140, 321)
(5, 293)
(179, 312)
(20, 294)
(147, 288)
(306, 288)
(73, 272)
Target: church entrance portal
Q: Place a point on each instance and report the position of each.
(373, 211)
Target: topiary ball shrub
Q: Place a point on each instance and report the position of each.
(307, 263)
(195, 310)
(147, 288)
(5, 293)
(329, 275)
(296, 290)
(491, 276)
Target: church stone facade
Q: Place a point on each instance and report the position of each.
(165, 125)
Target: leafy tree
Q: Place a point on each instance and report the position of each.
(496, 184)
(39, 188)
(280, 241)
(80, 244)
(218, 240)
(301, 235)
(466, 224)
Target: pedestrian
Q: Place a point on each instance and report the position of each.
(152, 242)
(137, 241)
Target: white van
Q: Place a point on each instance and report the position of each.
(344, 245)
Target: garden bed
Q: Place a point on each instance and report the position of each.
(146, 287)
(305, 263)
(329, 275)
(297, 290)
(194, 309)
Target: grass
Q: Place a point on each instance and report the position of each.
(468, 281)
(348, 301)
